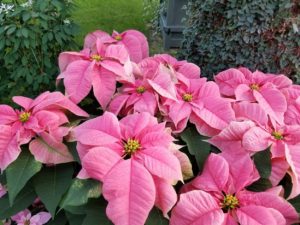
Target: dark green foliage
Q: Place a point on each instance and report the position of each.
(262, 35)
(262, 161)
(31, 38)
(197, 145)
(19, 172)
(24, 199)
(51, 183)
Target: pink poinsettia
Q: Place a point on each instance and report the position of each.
(292, 114)
(218, 196)
(152, 85)
(199, 102)
(137, 167)
(40, 118)
(254, 132)
(265, 89)
(25, 218)
(134, 41)
(98, 68)
(3, 190)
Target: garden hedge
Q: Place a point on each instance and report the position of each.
(262, 35)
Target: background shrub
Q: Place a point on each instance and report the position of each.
(32, 34)
(262, 35)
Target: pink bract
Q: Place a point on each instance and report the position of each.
(134, 41)
(41, 118)
(254, 132)
(25, 217)
(199, 102)
(99, 68)
(292, 115)
(218, 196)
(265, 89)
(152, 85)
(137, 166)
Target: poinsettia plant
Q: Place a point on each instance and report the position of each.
(135, 140)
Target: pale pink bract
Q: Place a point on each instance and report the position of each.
(199, 102)
(265, 89)
(218, 196)
(98, 68)
(137, 167)
(134, 41)
(41, 118)
(254, 132)
(152, 85)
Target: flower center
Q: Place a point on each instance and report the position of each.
(131, 146)
(140, 89)
(118, 37)
(277, 135)
(24, 116)
(97, 57)
(229, 202)
(254, 87)
(27, 222)
(187, 97)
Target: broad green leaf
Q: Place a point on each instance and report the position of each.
(95, 213)
(196, 144)
(51, 183)
(156, 218)
(78, 210)
(19, 172)
(24, 199)
(80, 192)
(262, 161)
(25, 32)
(59, 219)
(260, 185)
(75, 219)
(11, 30)
(26, 16)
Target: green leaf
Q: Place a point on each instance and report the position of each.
(262, 161)
(59, 219)
(78, 210)
(95, 211)
(156, 218)
(24, 199)
(26, 16)
(75, 219)
(260, 185)
(19, 172)
(196, 144)
(73, 150)
(3, 178)
(51, 183)
(11, 30)
(25, 32)
(296, 203)
(80, 192)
